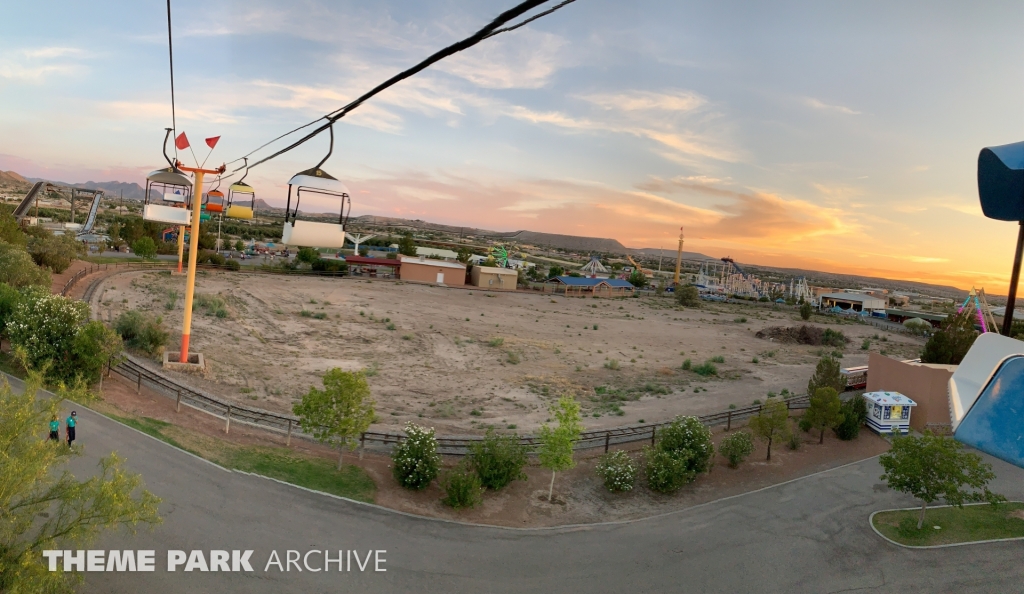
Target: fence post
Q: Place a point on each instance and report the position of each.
(653, 433)
(288, 440)
(362, 444)
(138, 384)
(227, 425)
(177, 402)
(728, 422)
(607, 436)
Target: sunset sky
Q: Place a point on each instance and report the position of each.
(825, 135)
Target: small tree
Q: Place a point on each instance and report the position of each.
(94, 346)
(415, 461)
(406, 246)
(687, 296)
(555, 271)
(824, 411)
(805, 309)
(307, 255)
(144, 247)
(54, 251)
(556, 443)
(44, 507)
(463, 255)
(826, 375)
(637, 279)
(950, 344)
(737, 447)
(239, 246)
(339, 413)
(932, 467)
(772, 423)
(855, 412)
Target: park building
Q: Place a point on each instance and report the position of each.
(857, 302)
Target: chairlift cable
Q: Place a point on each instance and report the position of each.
(491, 29)
(170, 52)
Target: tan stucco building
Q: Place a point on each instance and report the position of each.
(425, 270)
(498, 279)
(925, 384)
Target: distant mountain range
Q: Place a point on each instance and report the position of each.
(572, 243)
(132, 190)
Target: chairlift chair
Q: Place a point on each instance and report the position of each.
(173, 191)
(215, 200)
(241, 201)
(312, 233)
(167, 192)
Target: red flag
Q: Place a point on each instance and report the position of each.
(181, 142)
(212, 142)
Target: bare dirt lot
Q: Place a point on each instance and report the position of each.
(462, 360)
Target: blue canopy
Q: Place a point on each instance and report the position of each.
(1001, 181)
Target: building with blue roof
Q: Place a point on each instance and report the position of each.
(596, 287)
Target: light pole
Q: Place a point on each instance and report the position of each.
(193, 252)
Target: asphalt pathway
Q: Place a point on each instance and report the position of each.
(809, 535)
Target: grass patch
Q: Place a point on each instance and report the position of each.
(279, 463)
(970, 524)
(152, 428)
(312, 473)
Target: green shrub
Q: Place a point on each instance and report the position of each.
(687, 365)
(805, 311)
(415, 461)
(498, 460)
(618, 470)
(717, 359)
(307, 255)
(462, 488)
(323, 265)
(833, 338)
(706, 369)
(9, 297)
(233, 265)
(18, 269)
(855, 412)
(736, 447)
(804, 424)
(665, 472)
(613, 364)
(496, 342)
(794, 442)
(140, 332)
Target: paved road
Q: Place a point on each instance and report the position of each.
(810, 535)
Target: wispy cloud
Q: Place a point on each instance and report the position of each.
(821, 105)
(35, 65)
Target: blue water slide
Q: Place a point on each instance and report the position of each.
(986, 395)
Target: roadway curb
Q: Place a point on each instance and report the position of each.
(871, 522)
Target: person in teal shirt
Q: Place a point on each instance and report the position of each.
(54, 429)
(71, 422)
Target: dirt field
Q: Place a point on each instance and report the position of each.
(464, 360)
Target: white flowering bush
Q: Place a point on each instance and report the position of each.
(618, 470)
(415, 461)
(45, 327)
(687, 436)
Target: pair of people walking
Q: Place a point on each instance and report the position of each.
(70, 424)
